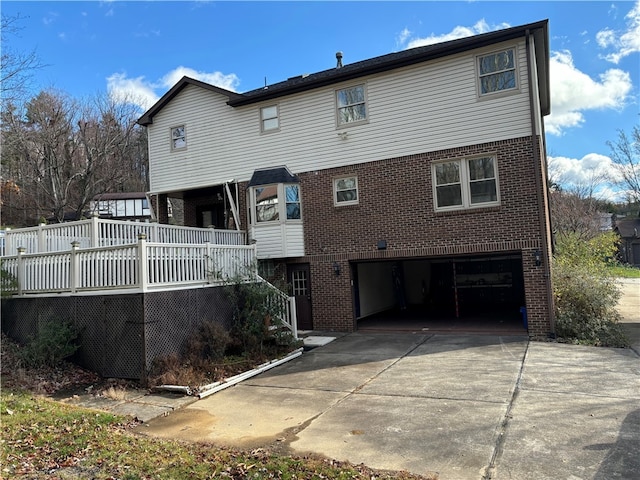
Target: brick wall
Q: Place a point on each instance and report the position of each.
(396, 205)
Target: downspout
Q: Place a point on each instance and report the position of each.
(539, 189)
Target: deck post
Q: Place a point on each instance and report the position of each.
(21, 269)
(293, 318)
(209, 264)
(94, 240)
(143, 264)
(74, 270)
(42, 238)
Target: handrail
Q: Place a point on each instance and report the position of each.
(143, 266)
(288, 318)
(99, 232)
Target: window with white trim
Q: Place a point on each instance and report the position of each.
(178, 138)
(465, 183)
(274, 202)
(345, 191)
(269, 120)
(497, 71)
(351, 104)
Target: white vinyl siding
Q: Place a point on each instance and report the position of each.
(421, 108)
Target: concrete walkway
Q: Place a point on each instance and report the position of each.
(464, 407)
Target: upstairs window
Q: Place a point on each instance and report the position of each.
(178, 138)
(465, 183)
(351, 103)
(272, 203)
(497, 71)
(269, 118)
(345, 191)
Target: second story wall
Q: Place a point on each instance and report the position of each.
(426, 107)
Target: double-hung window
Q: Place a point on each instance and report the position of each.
(497, 71)
(465, 183)
(277, 201)
(269, 120)
(178, 138)
(345, 191)
(351, 104)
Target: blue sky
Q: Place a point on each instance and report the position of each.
(140, 49)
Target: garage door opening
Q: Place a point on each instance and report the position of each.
(483, 294)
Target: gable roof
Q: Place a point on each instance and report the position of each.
(628, 227)
(384, 63)
(147, 118)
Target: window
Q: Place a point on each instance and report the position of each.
(497, 71)
(266, 201)
(269, 118)
(351, 104)
(465, 183)
(275, 202)
(292, 198)
(178, 138)
(345, 191)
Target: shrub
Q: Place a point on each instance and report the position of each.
(55, 341)
(256, 309)
(208, 342)
(585, 294)
(8, 282)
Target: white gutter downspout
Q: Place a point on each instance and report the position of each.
(212, 388)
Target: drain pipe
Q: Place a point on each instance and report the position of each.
(212, 388)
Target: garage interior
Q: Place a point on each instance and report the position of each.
(474, 294)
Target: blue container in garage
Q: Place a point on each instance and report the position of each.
(523, 311)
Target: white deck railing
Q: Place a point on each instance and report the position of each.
(97, 232)
(143, 266)
(139, 267)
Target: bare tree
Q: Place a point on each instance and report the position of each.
(575, 206)
(625, 153)
(61, 153)
(16, 67)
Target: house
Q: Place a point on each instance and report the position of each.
(629, 249)
(409, 187)
(122, 206)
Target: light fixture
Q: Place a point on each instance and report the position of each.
(336, 268)
(537, 256)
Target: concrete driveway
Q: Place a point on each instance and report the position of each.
(464, 407)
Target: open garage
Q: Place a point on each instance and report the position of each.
(466, 293)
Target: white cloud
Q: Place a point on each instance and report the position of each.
(458, 32)
(592, 170)
(403, 36)
(573, 92)
(622, 43)
(228, 82)
(137, 91)
(145, 93)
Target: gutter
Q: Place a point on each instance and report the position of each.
(215, 387)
